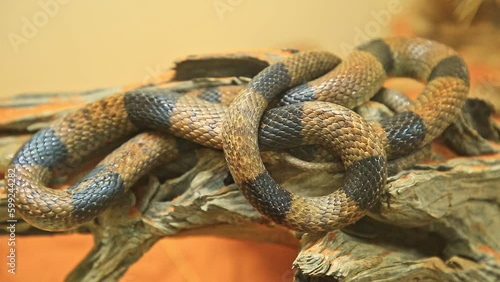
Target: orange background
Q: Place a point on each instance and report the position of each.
(51, 258)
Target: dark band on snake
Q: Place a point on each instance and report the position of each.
(381, 51)
(211, 94)
(45, 149)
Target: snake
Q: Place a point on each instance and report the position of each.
(318, 90)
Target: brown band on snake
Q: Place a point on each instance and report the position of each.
(351, 83)
(221, 95)
(393, 99)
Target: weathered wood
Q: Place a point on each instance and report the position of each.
(437, 221)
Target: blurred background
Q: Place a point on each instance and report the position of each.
(75, 45)
(69, 45)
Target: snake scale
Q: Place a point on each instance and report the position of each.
(318, 90)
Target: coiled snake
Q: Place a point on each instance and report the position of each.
(306, 115)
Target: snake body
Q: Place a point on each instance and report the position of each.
(306, 116)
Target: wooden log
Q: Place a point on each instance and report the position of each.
(437, 221)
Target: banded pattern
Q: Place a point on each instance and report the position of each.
(204, 120)
(361, 75)
(363, 72)
(359, 148)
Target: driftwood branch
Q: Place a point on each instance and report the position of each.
(437, 221)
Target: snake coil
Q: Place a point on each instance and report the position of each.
(312, 81)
